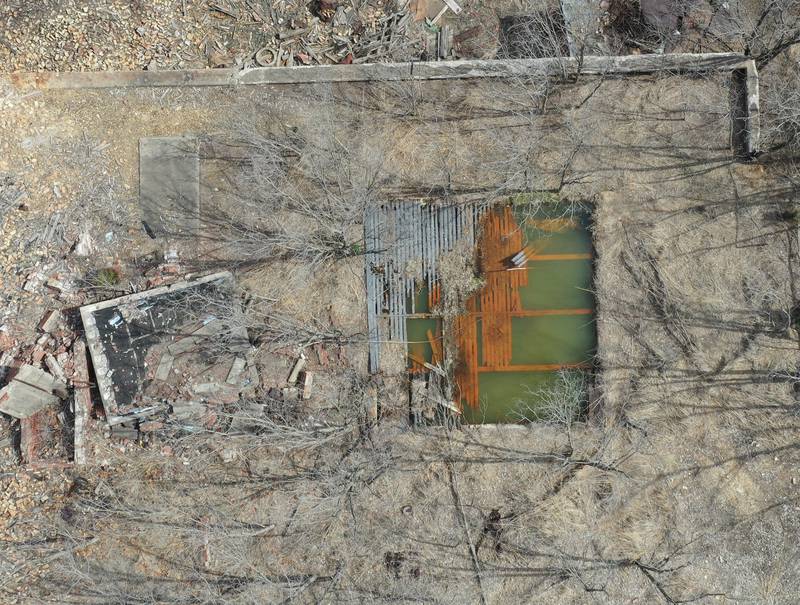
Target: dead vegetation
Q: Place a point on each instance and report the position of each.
(669, 491)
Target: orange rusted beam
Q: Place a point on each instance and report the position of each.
(436, 347)
(537, 312)
(583, 256)
(541, 367)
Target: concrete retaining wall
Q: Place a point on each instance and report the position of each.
(438, 70)
(611, 66)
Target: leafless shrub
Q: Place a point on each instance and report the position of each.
(762, 29)
(782, 114)
(300, 194)
(561, 403)
(534, 36)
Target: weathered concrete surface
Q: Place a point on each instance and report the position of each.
(662, 14)
(21, 400)
(435, 70)
(41, 380)
(753, 140)
(580, 19)
(169, 185)
(83, 400)
(120, 332)
(745, 111)
(31, 391)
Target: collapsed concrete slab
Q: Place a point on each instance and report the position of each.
(169, 349)
(169, 185)
(31, 391)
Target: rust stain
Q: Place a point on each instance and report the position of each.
(29, 80)
(492, 309)
(495, 304)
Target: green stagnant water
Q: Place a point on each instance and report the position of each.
(559, 285)
(417, 334)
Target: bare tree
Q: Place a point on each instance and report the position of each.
(299, 193)
(781, 114)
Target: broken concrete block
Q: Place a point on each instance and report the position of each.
(308, 379)
(290, 393)
(298, 367)
(38, 355)
(30, 391)
(151, 426)
(186, 410)
(238, 341)
(21, 400)
(216, 392)
(184, 345)
(49, 322)
(33, 281)
(40, 379)
(58, 285)
(85, 245)
(237, 368)
(209, 327)
(206, 387)
(164, 367)
(124, 433)
(55, 368)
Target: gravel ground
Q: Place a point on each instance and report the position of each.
(78, 35)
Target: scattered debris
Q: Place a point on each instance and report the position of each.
(307, 381)
(175, 350)
(173, 34)
(49, 321)
(236, 370)
(296, 369)
(85, 244)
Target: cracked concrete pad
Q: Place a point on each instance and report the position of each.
(169, 185)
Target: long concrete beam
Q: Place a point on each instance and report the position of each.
(438, 70)
(609, 66)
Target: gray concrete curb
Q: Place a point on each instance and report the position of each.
(439, 70)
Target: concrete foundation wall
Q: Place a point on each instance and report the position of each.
(609, 66)
(437, 70)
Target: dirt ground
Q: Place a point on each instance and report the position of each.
(682, 487)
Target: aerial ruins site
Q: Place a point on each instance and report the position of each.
(388, 301)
